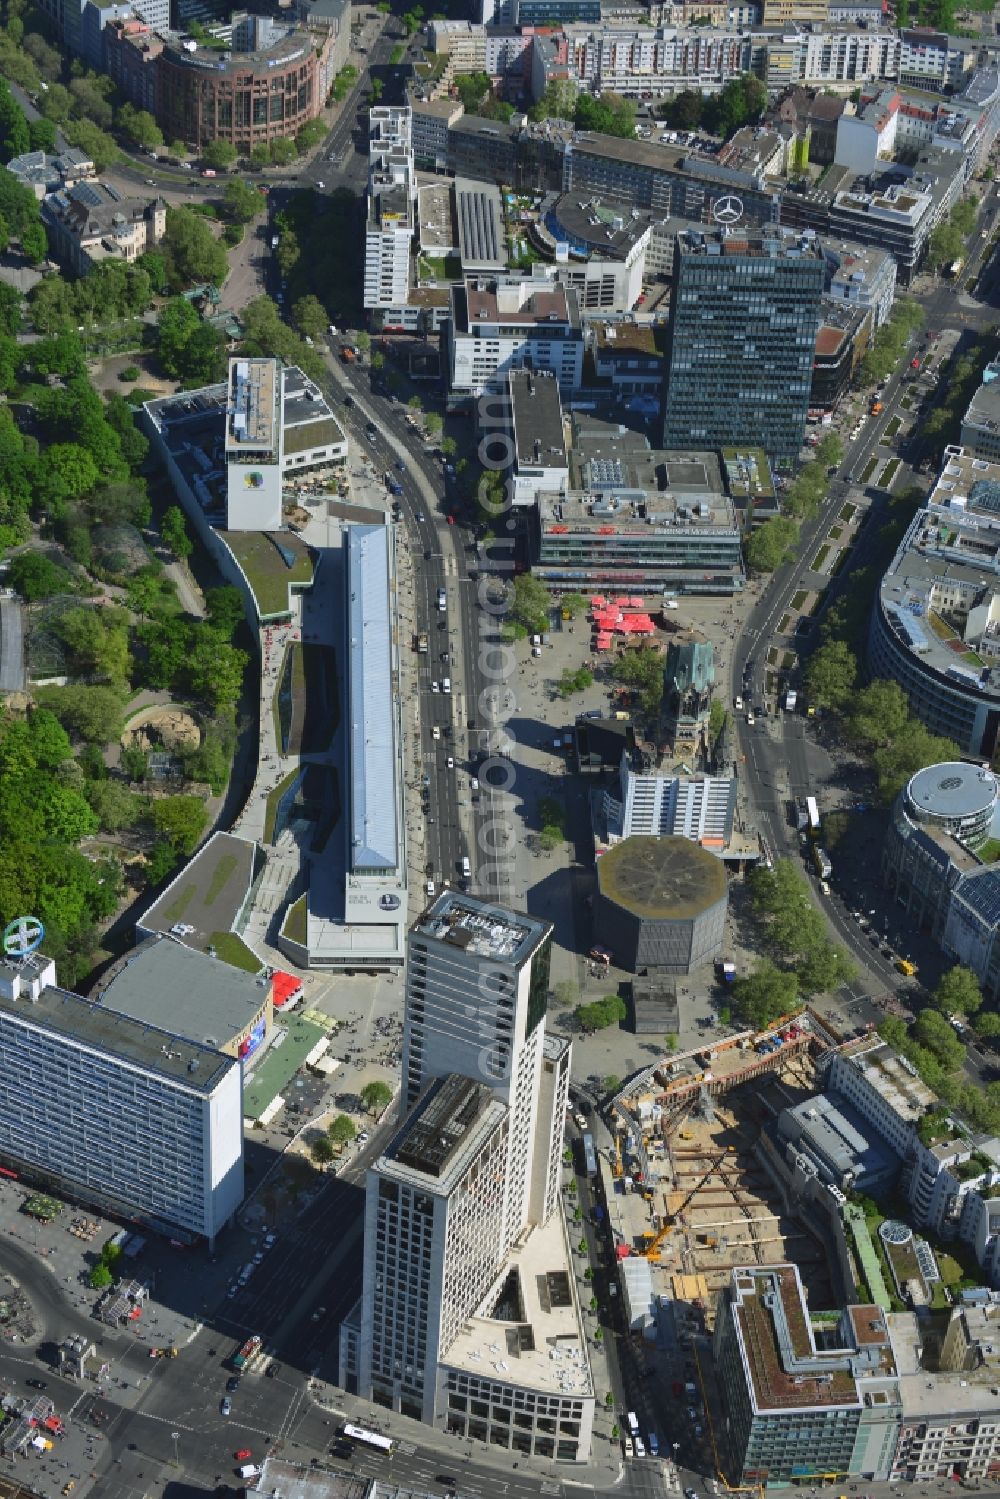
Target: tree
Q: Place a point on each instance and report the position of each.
(558, 102)
(932, 1031)
(771, 544)
(34, 243)
(192, 254)
(322, 1151)
(987, 1025)
(180, 821)
(341, 1130)
(241, 202)
(945, 245)
(42, 135)
(93, 714)
(215, 670)
(115, 806)
(312, 134)
(376, 1097)
(139, 127)
(309, 316)
(600, 1013)
(218, 155)
(530, 603)
(765, 994)
(825, 968)
(573, 604)
(957, 992)
(881, 713)
(35, 576)
(225, 609)
(132, 763)
(100, 1277)
(174, 532)
(283, 151)
(831, 674)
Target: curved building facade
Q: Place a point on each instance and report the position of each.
(955, 797)
(269, 86)
(661, 903)
(936, 623)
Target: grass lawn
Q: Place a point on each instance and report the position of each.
(234, 951)
(176, 909)
(296, 920)
(271, 567)
(799, 598)
(906, 403)
(848, 512)
(887, 475)
(788, 661)
(817, 563)
(990, 851)
(227, 865)
(835, 533)
(951, 1270)
(893, 426)
(273, 801)
(786, 621)
(869, 469)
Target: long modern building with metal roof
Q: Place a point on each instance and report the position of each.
(356, 903)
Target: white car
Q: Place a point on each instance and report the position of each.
(823, 885)
(474, 784)
(750, 718)
(450, 762)
(738, 704)
(430, 887)
(436, 731)
(435, 686)
(321, 185)
(446, 685)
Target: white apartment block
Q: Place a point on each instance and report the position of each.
(500, 325)
(699, 808)
(391, 207)
(862, 276)
(950, 1429)
(885, 1089)
(830, 58)
(657, 60)
(115, 1112)
(433, 1239)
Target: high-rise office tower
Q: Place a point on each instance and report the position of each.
(469, 1316)
(743, 326)
(477, 981)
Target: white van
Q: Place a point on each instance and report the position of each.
(466, 868)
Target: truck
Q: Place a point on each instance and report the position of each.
(420, 643)
(347, 355)
(822, 862)
(246, 1353)
(875, 409)
(726, 970)
(801, 815)
(791, 698)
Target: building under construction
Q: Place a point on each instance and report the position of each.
(688, 1190)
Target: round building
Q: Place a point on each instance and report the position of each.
(954, 798)
(660, 903)
(267, 87)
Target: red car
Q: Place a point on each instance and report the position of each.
(243, 1455)
(914, 364)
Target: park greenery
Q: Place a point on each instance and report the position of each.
(800, 960)
(641, 670)
(949, 239)
(599, 1014)
(889, 345)
(741, 102)
(376, 1097)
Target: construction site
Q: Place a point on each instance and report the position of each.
(687, 1190)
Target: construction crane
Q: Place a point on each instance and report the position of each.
(617, 1169)
(652, 1249)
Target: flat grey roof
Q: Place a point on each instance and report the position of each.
(165, 983)
(952, 789)
(538, 420)
(442, 1121)
(152, 1048)
(209, 892)
(480, 226)
(374, 768)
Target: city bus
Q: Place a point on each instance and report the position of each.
(589, 1155)
(812, 811)
(367, 1438)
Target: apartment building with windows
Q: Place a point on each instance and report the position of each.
(498, 325)
(742, 339)
(801, 1401)
(950, 1430)
(980, 433)
(91, 222)
(117, 1112)
(391, 207)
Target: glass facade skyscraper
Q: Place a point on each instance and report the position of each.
(743, 327)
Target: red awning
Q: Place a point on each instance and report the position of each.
(284, 986)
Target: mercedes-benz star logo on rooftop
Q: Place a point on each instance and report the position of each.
(727, 210)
